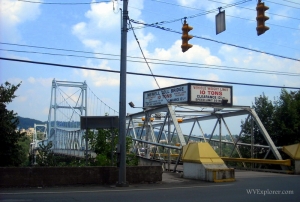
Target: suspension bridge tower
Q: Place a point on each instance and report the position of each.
(65, 111)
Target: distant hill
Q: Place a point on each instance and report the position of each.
(25, 123)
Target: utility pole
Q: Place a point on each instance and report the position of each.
(122, 105)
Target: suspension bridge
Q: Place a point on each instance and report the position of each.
(157, 131)
(69, 101)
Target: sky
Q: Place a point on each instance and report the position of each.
(88, 34)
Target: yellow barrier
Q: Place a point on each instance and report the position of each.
(286, 162)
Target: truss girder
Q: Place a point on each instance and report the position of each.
(219, 114)
(265, 134)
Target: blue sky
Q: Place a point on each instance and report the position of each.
(95, 28)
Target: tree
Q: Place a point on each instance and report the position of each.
(104, 142)
(24, 143)
(265, 111)
(45, 156)
(10, 150)
(287, 118)
(280, 118)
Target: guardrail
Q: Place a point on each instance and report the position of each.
(286, 162)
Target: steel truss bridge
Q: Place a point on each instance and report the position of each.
(167, 127)
(162, 127)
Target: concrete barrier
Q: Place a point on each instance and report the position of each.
(64, 176)
(200, 161)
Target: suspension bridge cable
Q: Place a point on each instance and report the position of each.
(143, 74)
(101, 100)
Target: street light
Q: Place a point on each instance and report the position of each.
(131, 104)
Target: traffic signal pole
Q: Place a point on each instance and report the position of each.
(122, 100)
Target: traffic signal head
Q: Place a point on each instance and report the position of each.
(261, 18)
(186, 37)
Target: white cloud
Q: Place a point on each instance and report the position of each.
(45, 82)
(14, 13)
(166, 82)
(196, 54)
(100, 78)
(101, 23)
(101, 30)
(21, 98)
(31, 80)
(250, 61)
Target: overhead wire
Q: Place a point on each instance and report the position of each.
(97, 53)
(228, 5)
(292, 2)
(176, 4)
(143, 74)
(267, 23)
(200, 14)
(282, 4)
(255, 10)
(212, 40)
(173, 63)
(64, 3)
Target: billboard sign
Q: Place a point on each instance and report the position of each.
(177, 94)
(190, 93)
(211, 94)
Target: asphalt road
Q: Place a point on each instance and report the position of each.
(249, 186)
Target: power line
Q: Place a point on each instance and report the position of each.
(282, 4)
(267, 23)
(143, 74)
(292, 2)
(237, 46)
(181, 64)
(200, 14)
(63, 3)
(143, 53)
(175, 4)
(255, 10)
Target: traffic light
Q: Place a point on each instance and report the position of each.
(186, 37)
(261, 18)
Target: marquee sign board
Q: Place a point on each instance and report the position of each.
(190, 93)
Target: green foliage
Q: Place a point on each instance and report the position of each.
(11, 153)
(103, 142)
(24, 143)
(45, 156)
(28, 122)
(287, 118)
(281, 119)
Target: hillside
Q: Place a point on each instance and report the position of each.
(25, 123)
